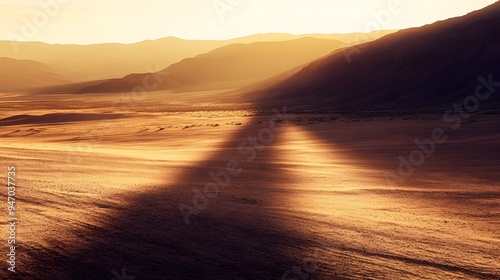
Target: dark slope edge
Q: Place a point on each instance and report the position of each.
(432, 65)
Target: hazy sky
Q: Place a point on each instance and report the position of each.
(126, 21)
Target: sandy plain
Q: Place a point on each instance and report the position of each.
(100, 183)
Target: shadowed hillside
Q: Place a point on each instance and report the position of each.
(431, 65)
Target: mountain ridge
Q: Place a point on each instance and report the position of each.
(434, 64)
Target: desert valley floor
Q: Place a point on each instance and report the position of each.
(100, 184)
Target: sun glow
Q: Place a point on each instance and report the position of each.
(86, 22)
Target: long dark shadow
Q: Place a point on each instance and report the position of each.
(235, 236)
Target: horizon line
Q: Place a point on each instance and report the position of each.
(185, 39)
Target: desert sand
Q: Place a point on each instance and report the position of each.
(99, 189)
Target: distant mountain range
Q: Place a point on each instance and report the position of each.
(433, 65)
(80, 63)
(15, 73)
(231, 66)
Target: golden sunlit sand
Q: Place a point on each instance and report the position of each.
(89, 185)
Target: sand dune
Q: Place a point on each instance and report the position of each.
(55, 118)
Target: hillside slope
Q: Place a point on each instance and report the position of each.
(19, 74)
(231, 66)
(111, 60)
(432, 65)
